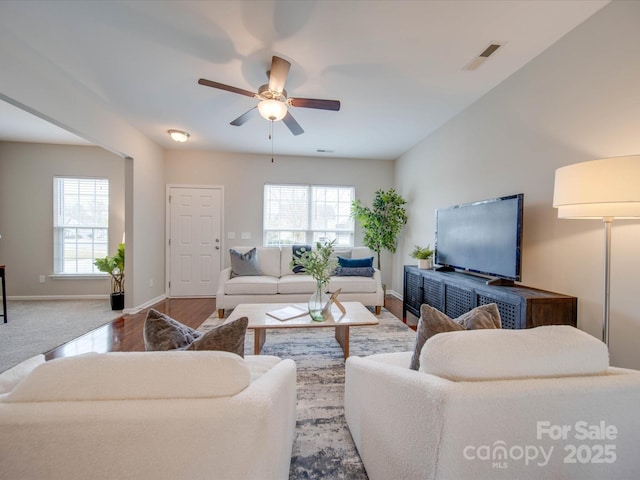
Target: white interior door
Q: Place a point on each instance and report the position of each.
(194, 240)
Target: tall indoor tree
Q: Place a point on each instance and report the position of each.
(382, 221)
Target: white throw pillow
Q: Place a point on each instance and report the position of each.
(134, 375)
(495, 354)
(10, 378)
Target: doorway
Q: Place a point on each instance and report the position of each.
(194, 231)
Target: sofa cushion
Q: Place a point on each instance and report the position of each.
(11, 377)
(297, 284)
(548, 351)
(263, 285)
(353, 284)
(433, 321)
(134, 375)
(227, 337)
(244, 264)
(358, 252)
(161, 332)
(355, 271)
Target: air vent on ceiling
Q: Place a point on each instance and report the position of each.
(480, 59)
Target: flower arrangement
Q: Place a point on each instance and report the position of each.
(318, 263)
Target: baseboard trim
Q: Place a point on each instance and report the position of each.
(395, 294)
(139, 308)
(28, 298)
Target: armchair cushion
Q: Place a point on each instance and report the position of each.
(134, 375)
(548, 351)
(433, 321)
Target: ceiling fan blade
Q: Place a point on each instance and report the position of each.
(278, 74)
(246, 116)
(228, 88)
(294, 126)
(315, 103)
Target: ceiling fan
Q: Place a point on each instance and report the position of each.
(273, 98)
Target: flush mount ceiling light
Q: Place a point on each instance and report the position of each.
(179, 135)
(273, 110)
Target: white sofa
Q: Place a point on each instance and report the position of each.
(150, 415)
(487, 402)
(279, 284)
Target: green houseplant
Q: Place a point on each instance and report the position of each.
(114, 266)
(320, 264)
(382, 222)
(423, 255)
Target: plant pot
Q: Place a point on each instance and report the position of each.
(117, 301)
(425, 264)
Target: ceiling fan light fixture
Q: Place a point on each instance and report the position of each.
(273, 110)
(179, 135)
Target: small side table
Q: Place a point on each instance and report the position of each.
(4, 294)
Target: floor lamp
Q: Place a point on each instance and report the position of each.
(601, 189)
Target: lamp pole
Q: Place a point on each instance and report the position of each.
(607, 279)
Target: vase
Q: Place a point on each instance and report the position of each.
(317, 302)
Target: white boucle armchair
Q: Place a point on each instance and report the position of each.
(496, 404)
(150, 415)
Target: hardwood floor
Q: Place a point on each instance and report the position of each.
(125, 333)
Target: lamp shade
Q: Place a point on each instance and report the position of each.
(608, 188)
(272, 109)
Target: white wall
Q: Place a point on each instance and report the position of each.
(26, 213)
(577, 101)
(244, 176)
(32, 82)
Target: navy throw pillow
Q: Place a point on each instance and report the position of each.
(355, 262)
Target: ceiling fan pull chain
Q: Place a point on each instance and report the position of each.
(271, 138)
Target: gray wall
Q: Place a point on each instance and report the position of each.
(26, 212)
(243, 177)
(577, 101)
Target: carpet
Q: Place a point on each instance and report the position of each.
(38, 326)
(323, 447)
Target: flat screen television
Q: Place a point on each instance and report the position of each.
(483, 237)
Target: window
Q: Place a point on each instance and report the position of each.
(306, 214)
(80, 224)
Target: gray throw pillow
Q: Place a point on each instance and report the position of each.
(228, 337)
(355, 271)
(244, 264)
(433, 321)
(161, 332)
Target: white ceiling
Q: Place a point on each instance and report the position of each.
(396, 66)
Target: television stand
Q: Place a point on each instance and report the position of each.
(455, 293)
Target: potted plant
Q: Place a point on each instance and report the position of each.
(114, 266)
(423, 255)
(382, 222)
(320, 265)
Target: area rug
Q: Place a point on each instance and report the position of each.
(323, 447)
(38, 326)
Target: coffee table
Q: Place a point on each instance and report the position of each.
(356, 315)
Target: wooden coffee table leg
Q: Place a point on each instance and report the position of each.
(342, 336)
(259, 336)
